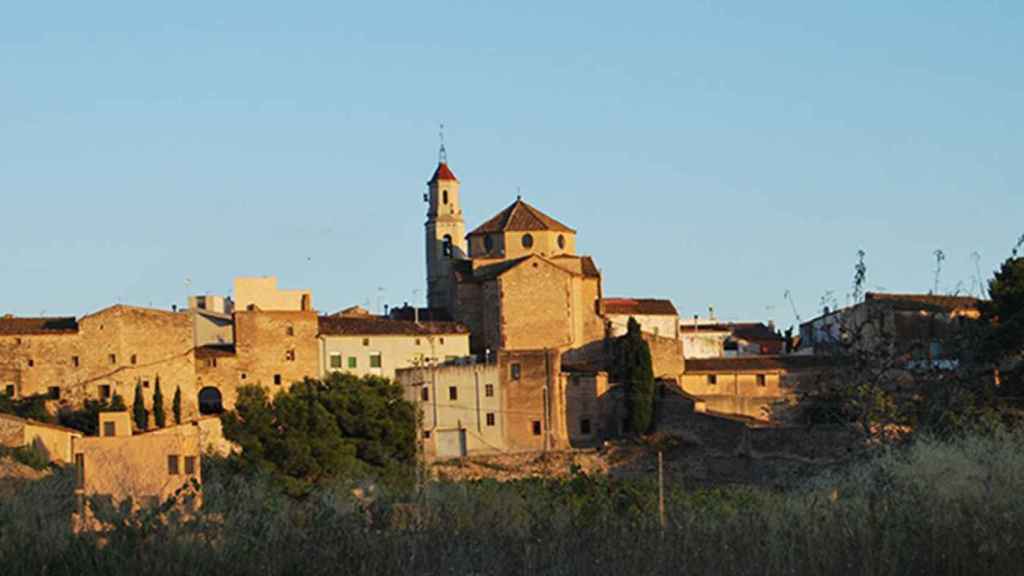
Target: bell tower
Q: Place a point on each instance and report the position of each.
(446, 233)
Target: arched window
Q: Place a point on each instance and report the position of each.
(446, 245)
(527, 240)
(210, 401)
(561, 241)
(444, 196)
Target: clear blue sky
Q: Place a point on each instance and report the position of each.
(713, 153)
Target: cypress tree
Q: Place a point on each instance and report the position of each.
(141, 416)
(632, 368)
(176, 405)
(159, 416)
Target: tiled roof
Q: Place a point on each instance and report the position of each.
(923, 301)
(639, 306)
(342, 326)
(443, 172)
(587, 266)
(754, 331)
(753, 363)
(409, 314)
(521, 217)
(688, 327)
(28, 326)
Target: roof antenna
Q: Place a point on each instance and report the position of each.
(519, 193)
(442, 154)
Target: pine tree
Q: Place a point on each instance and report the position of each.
(159, 416)
(176, 405)
(139, 412)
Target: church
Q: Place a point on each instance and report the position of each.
(538, 327)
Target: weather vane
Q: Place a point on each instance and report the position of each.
(442, 155)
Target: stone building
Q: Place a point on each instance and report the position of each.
(272, 349)
(261, 293)
(656, 317)
(55, 442)
(105, 353)
(371, 345)
(751, 386)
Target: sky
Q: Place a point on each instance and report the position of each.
(715, 153)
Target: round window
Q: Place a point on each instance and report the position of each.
(561, 241)
(488, 243)
(527, 241)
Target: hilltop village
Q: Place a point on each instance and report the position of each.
(511, 355)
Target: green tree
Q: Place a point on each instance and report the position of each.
(176, 405)
(116, 404)
(159, 416)
(321, 430)
(30, 407)
(631, 366)
(1005, 310)
(139, 413)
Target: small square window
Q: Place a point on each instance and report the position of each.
(172, 465)
(417, 341)
(489, 390)
(74, 361)
(53, 392)
(426, 433)
(585, 426)
(425, 394)
(31, 362)
(442, 339)
(352, 362)
(536, 428)
(490, 418)
(712, 379)
(761, 380)
(517, 371)
(190, 464)
(243, 375)
(105, 391)
(211, 362)
(375, 361)
(290, 331)
(134, 359)
(9, 390)
(453, 393)
(366, 341)
(289, 355)
(277, 379)
(335, 360)
(145, 383)
(113, 358)
(110, 429)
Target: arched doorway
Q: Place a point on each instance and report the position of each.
(210, 401)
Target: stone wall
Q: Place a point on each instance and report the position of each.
(536, 306)
(666, 356)
(534, 417)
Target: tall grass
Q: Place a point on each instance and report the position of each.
(929, 508)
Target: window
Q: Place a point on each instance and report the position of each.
(289, 355)
(441, 339)
(31, 363)
(490, 418)
(453, 393)
(109, 429)
(242, 375)
(145, 383)
(561, 241)
(104, 391)
(366, 341)
(375, 360)
(425, 394)
(172, 465)
(585, 426)
(113, 358)
(277, 379)
(517, 371)
(211, 362)
(426, 433)
(190, 464)
(446, 245)
(489, 390)
(79, 471)
(9, 390)
(289, 331)
(444, 196)
(74, 361)
(352, 362)
(712, 379)
(335, 360)
(134, 359)
(488, 243)
(417, 341)
(761, 380)
(527, 241)
(536, 427)
(53, 392)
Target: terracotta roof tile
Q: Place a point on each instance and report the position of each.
(342, 326)
(521, 217)
(753, 363)
(28, 326)
(639, 306)
(443, 172)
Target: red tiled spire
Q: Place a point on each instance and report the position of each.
(443, 172)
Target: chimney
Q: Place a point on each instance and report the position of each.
(711, 313)
(174, 307)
